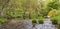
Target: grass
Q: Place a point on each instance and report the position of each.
(2, 20)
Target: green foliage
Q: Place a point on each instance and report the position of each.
(2, 20)
(29, 8)
(49, 5)
(40, 21)
(43, 12)
(40, 17)
(57, 16)
(22, 8)
(0, 3)
(33, 20)
(13, 9)
(54, 4)
(33, 15)
(54, 21)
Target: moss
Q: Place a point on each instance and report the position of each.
(54, 21)
(2, 20)
(40, 21)
(33, 20)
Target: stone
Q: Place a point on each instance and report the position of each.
(18, 24)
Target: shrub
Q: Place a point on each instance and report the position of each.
(54, 21)
(33, 20)
(57, 16)
(40, 21)
(2, 20)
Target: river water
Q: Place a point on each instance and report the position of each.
(47, 25)
(27, 24)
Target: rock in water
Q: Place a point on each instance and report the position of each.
(18, 24)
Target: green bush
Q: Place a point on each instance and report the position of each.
(2, 20)
(57, 16)
(54, 21)
(33, 20)
(40, 21)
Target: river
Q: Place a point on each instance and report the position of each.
(46, 25)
